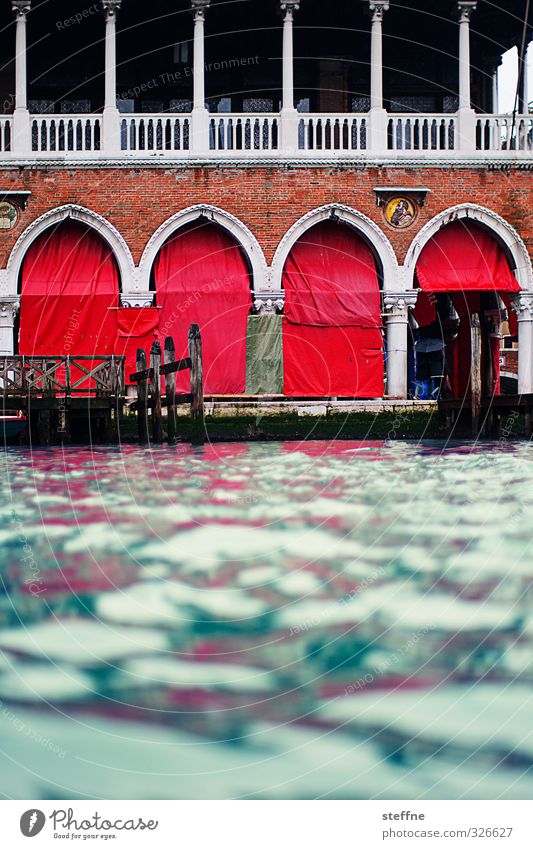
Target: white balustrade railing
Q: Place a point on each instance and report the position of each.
(254, 133)
(6, 134)
(332, 132)
(306, 135)
(504, 133)
(143, 134)
(66, 133)
(415, 133)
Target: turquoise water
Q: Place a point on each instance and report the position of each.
(348, 620)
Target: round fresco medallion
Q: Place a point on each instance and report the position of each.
(8, 215)
(400, 212)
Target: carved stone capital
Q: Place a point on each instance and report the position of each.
(378, 9)
(465, 9)
(395, 303)
(522, 305)
(136, 300)
(199, 8)
(21, 8)
(111, 9)
(8, 311)
(289, 7)
(267, 304)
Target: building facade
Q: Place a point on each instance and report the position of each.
(322, 229)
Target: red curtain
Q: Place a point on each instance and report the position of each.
(332, 343)
(70, 283)
(201, 277)
(136, 328)
(464, 256)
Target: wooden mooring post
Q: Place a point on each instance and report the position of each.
(148, 382)
(475, 374)
(170, 389)
(142, 396)
(197, 386)
(155, 393)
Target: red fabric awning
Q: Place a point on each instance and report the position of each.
(322, 361)
(330, 279)
(136, 328)
(332, 343)
(463, 256)
(70, 283)
(202, 277)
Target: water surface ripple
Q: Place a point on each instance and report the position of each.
(347, 620)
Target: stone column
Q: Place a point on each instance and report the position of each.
(8, 312)
(397, 306)
(466, 116)
(200, 115)
(21, 116)
(111, 120)
(378, 115)
(289, 114)
(522, 305)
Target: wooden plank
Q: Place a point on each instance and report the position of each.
(155, 393)
(475, 374)
(176, 365)
(142, 392)
(180, 399)
(145, 374)
(170, 388)
(197, 386)
(44, 414)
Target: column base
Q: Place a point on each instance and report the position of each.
(21, 141)
(466, 127)
(289, 120)
(111, 131)
(199, 139)
(378, 121)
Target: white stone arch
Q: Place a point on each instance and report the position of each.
(91, 219)
(498, 226)
(240, 232)
(376, 238)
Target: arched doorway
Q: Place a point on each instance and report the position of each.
(462, 271)
(69, 284)
(332, 339)
(201, 275)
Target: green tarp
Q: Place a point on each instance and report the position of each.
(264, 355)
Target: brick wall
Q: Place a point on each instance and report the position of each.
(267, 199)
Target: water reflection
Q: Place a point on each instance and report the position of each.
(269, 621)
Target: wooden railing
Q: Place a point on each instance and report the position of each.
(61, 376)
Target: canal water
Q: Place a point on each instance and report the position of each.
(315, 620)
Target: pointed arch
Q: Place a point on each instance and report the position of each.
(504, 233)
(240, 232)
(373, 235)
(104, 228)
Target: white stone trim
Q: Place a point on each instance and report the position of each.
(365, 226)
(242, 235)
(501, 229)
(91, 219)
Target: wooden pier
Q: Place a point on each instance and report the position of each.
(54, 392)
